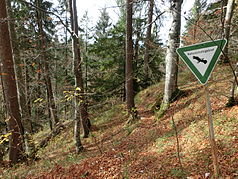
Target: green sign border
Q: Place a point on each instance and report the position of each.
(202, 78)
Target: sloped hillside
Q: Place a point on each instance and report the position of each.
(149, 147)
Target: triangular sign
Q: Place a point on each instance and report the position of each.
(202, 58)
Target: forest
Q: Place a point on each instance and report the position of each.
(115, 99)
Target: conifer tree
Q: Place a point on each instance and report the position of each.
(148, 38)
(10, 88)
(45, 62)
(129, 59)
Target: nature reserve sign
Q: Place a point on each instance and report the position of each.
(202, 58)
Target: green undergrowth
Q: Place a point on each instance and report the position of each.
(116, 111)
(150, 99)
(57, 152)
(60, 150)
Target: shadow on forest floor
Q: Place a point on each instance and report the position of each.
(148, 147)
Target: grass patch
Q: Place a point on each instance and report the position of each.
(71, 158)
(178, 173)
(116, 111)
(225, 128)
(150, 98)
(129, 128)
(44, 165)
(57, 152)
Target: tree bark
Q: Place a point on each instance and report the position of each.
(171, 58)
(10, 88)
(148, 39)
(228, 17)
(80, 105)
(21, 79)
(45, 61)
(231, 100)
(79, 76)
(129, 59)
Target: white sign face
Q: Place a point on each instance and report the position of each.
(201, 58)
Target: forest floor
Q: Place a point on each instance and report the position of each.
(147, 148)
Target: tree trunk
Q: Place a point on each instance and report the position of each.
(231, 100)
(10, 88)
(45, 60)
(148, 39)
(78, 144)
(228, 17)
(21, 80)
(135, 63)
(79, 75)
(80, 105)
(129, 59)
(171, 58)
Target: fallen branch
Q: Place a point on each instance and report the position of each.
(58, 128)
(52, 134)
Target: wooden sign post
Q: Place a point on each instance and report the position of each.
(211, 133)
(201, 60)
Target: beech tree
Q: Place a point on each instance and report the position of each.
(10, 89)
(227, 26)
(171, 58)
(228, 17)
